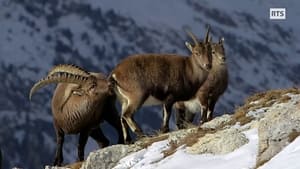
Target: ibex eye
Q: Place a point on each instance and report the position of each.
(93, 86)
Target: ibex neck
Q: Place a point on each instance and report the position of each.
(194, 70)
(194, 66)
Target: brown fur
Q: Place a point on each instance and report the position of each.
(208, 93)
(80, 109)
(166, 77)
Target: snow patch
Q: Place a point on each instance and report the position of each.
(152, 157)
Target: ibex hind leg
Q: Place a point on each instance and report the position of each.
(113, 118)
(126, 121)
(99, 137)
(130, 103)
(127, 116)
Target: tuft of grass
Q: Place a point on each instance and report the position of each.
(260, 163)
(241, 116)
(172, 148)
(147, 141)
(293, 135)
(75, 165)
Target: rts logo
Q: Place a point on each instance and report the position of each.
(277, 13)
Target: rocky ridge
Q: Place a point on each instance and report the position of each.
(274, 114)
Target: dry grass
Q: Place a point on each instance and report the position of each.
(76, 165)
(260, 163)
(260, 100)
(268, 98)
(147, 141)
(188, 140)
(293, 135)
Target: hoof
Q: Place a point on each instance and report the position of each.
(57, 163)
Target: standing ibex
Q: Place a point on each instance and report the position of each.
(207, 95)
(150, 79)
(80, 102)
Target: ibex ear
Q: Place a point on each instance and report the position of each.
(221, 41)
(189, 46)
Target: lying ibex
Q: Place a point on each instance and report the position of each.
(151, 79)
(207, 94)
(80, 102)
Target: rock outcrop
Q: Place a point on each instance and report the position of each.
(221, 142)
(274, 114)
(109, 157)
(277, 129)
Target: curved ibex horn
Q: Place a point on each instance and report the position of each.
(59, 77)
(192, 36)
(72, 69)
(207, 35)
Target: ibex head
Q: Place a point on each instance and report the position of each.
(89, 85)
(218, 52)
(201, 51)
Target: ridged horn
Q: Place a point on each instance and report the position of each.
(206, 39)
(59, 77)
(193, 37)
(72, 69)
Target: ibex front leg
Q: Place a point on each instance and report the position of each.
(204, 100)
(83, 137)
(180, 115)
(59, 144)
(211, 107)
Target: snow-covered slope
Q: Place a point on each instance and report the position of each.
(242, 158)
(153, 158)
(287, 158)
(35, 35)
(263, 133)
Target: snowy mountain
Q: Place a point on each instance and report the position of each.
(35, 35)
